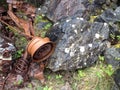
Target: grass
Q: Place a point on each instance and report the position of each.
(41, 31)
(92, 78)
(97, 77)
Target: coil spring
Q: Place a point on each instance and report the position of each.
(21, 66)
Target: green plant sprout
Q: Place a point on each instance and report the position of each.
(81, 73)
(117, 58)
(118, 37)
(58, 76)
(112, 36)
(29, 85)
(101, 58)
(18, 53)
(109, 70)
(47, 88)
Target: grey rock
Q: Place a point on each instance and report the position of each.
(117, 79)
(57, 9)
(79, 44)
(111, 15)
(115, 87)
(4, 45)
(112, 56)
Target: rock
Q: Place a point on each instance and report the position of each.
(6, 49)
(79, 43)
(111, 15)
(6, 45)
(58, 9)
(115, 87)
(117, 78)
(112, 56)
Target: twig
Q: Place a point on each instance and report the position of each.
(9, 26)
(6, 38)
(15, 30)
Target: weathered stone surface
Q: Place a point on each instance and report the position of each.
(112, 56)
(6, 46)
(79, 44)
(111, 15)
(57, 9)
(117, 79)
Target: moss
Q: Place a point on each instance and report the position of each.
(20, 41)
(46, 25)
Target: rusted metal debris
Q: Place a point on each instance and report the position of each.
(33, 61)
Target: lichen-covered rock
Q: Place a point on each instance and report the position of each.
(112, 56)
(57, 9)
(111, 15)
(79, 43)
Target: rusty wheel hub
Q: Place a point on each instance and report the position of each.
(40, 48)
(43, 51)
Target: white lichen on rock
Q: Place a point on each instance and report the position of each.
(82, 49)
(90, 45)
(97, 35)
(67, 50)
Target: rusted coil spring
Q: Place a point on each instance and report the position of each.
(21, 66)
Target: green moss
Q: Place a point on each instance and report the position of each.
(41, 31)
(20, 41)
